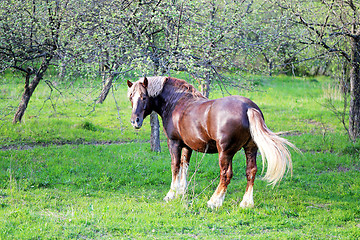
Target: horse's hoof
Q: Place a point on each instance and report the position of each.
(213, 205)
(246, 204)
(170, 196)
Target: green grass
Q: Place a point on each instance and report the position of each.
(59, 180)
(58, 192)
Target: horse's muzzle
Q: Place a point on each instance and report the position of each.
(136, 122)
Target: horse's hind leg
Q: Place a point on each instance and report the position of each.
(226, 173)
(251, 169)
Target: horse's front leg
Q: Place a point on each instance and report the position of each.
(175, 153)
(183, 172)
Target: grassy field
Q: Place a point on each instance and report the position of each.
(75, 170)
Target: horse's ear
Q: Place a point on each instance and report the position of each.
(129, 84)
(146, 82)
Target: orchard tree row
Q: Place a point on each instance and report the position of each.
(207, 39)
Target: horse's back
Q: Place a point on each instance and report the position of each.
(231, 110)
(236, 101)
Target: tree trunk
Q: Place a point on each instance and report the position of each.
(62, 71)
(154, 122)
(25, 98)
(205, 86)
(345, 79)
(106, 88)
(354, 109)
(29, 89)
(155, 133)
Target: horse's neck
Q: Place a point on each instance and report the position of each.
(169, 99)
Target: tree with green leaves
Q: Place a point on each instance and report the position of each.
(331, 28)
(29, 40)
(200, 37)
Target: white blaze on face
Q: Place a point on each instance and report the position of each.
(135, 100)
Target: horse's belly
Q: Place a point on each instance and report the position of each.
(202, 146)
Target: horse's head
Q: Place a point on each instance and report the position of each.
(140, 101)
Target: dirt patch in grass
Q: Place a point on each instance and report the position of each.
(27, 146)
(290, 133)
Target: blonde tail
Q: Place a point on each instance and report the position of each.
(273, 148)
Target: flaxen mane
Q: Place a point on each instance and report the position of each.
(156, 85)
(182, 86)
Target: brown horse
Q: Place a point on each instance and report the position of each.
(224, 126)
